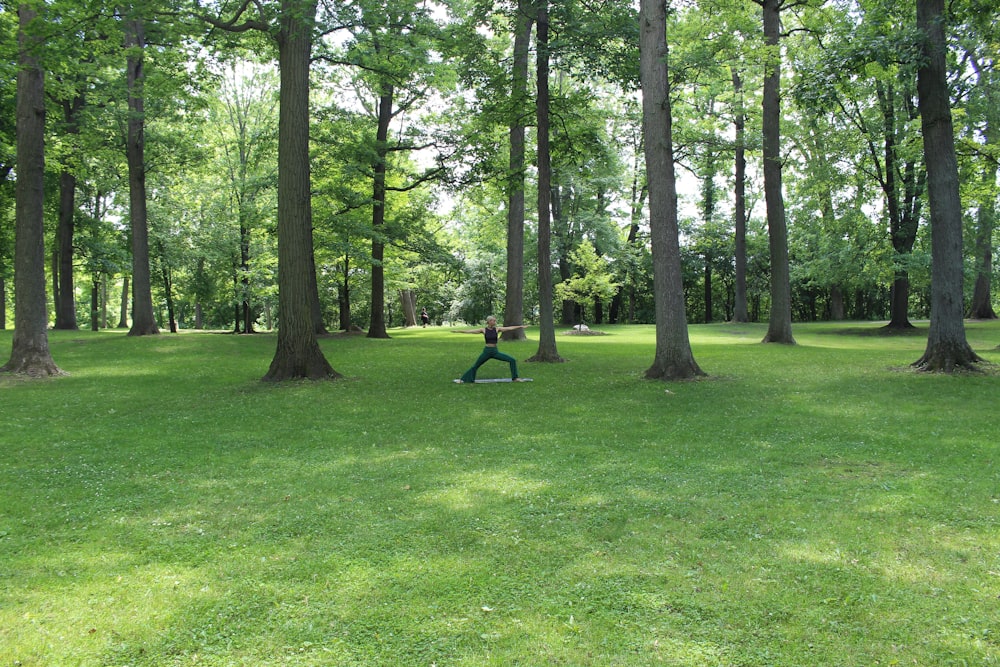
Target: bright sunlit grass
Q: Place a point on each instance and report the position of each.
(812, 505)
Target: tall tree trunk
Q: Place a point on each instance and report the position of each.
(673, 359)
(95, 304)
(104, 301)
(740, 313)
(708, 287)
(245, 304)
(568, 308)
(513, 313)
(30, 353)
(899, 301)
(5, 170)
(319, 326)
(66, 301)
(101, 277)
(65, 297)
(902, 205)
(344, 295)
(708, 207)
(54, 272)
(298, 354)
(947, 348)
(168, 291)
(143, 318)
(982, 295)
(836, 303)
(408, 302)
(547, 351)
(376, 327)
(124, 310)
(236, 299)
(780, 323)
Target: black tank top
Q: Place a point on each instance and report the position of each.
(491, 335)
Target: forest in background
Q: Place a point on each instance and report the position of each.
(417, 96)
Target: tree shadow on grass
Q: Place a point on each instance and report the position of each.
(881, 331)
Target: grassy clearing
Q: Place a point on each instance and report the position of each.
(809, 505)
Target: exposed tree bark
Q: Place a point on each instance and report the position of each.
(319, 326)
(902, 186)
(104, 301)
(344, 294)
(298, 354)
(740, 313)
(408, 302)
(143, 318)
(95, 304)
(982, 295)
(65, 303)
(947, 348)
(568, 308)
(65, 295)
(547, 351)
(168, 291)
(30, 353)
(513, 314)
(124, 310)
(708, 206)
(54, 272)
(836, 303)
(899, 316)
(236, 301)
(376, 327)
(247, 308)
(633, 241)
(780, 323)
(709, 258)
(673, 359)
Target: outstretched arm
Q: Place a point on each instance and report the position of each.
(511, 328)
(472, 331)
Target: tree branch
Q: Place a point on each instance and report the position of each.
(232, 25)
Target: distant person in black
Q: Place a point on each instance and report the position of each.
(492, 334)
(424, 317)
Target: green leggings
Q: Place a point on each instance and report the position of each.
(490, 353)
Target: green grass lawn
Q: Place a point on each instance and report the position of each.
(819, 504)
